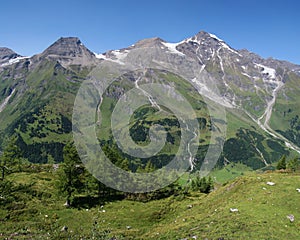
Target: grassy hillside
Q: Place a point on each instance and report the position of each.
(38, 212)
(40, 109)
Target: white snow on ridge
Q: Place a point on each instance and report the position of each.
(215, 37)
(118, 55)
(13, 61)
(224, 44)
(172, 48)
(267, 70)
(100, 56)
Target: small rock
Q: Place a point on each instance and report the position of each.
(194, 237)
(128, 227)
(190, 206)
(270, 183)
(291, 217)
(64, 229)
(234, 210)
(55, 166)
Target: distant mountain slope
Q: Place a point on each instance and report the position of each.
(260, 96)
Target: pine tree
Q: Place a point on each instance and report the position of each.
(149, 167)
(71, 173)
(50, 159)
(293, 164)
(281, 163)
(11, 156)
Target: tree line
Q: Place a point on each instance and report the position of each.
(77, 185)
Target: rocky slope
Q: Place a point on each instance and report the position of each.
(260, 96)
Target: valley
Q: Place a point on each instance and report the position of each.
(222, 122)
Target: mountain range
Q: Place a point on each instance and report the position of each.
(260, 96)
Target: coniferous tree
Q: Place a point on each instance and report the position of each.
(293, 164)
(10, 157)
(71, 173)
(281, 163)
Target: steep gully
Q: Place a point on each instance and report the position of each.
(267, 113)
(5, 101)
(156, 105)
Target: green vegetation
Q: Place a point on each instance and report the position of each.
(40, 109)
(71, 172)
(229, 172)
(32, 208)
(285, 116)
(202, 185)
(10, 158)
(293, 164)
(281, 163)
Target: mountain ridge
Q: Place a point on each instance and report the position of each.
(262, 91)
(202, 35)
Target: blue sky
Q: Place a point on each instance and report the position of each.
(268, 28)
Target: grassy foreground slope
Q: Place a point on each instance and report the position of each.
(262, 212)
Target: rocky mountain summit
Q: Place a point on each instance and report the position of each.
(69, 51)
(7, 55)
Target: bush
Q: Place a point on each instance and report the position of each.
(202, 184)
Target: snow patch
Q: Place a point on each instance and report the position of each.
(215, 37)
(100, 56)
(13, 61)
(172, 48)
(224, 45)
(245, 74)
(267, 70)
(119, 56)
